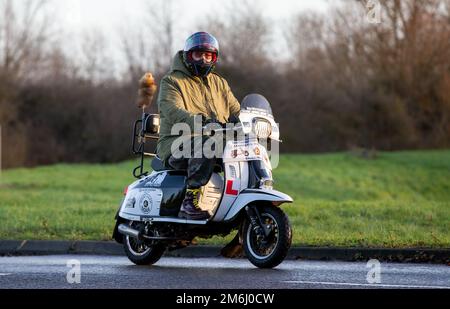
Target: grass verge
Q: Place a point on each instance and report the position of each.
(400, 199)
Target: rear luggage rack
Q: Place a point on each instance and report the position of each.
(144, 129)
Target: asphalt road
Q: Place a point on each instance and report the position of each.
(117, 272)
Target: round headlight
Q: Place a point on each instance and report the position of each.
(262, 128)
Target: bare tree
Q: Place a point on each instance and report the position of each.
(161, 19)
(96, 63)
(23, 33)
(243, 34)
(137, 52)
(150, 46)
(24, 30)
(375, 85)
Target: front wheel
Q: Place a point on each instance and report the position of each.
(269, 251)
(140, 252)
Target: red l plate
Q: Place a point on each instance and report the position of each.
(229, 189)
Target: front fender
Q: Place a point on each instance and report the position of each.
(248, 196)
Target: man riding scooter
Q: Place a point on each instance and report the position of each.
(192, 89)
(162, 210)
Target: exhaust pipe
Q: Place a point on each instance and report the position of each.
(128, 231)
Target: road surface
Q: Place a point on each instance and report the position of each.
(37, 272)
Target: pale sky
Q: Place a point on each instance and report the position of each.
(110, 16)
(105, 13)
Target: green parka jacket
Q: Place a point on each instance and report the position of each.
(183, 95)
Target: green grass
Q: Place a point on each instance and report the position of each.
(400, 199)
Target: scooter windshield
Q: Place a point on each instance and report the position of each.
(256, 102)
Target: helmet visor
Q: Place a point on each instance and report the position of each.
(202, 41)
(205, 56)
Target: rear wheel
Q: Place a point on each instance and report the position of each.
(269, 251)
(142, 252)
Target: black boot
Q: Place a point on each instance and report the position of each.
(190, 209)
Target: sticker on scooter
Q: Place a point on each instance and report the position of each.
(130, 203)
(156, 180)
(146, 203)
(236, 152)
(229, 190)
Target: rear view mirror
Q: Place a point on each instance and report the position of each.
(152, 124)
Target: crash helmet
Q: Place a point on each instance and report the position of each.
(201, 53)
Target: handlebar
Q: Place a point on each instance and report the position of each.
(236, 127)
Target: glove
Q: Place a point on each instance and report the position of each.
(207, 121)
(234, 119)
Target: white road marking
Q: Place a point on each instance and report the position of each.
(373, 285)
(5, 274)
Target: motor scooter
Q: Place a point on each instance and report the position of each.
(239, 196)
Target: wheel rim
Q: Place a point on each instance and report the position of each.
(262, 249)
(136, 246)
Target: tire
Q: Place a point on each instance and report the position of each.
(280, 238)
(141, 253)
(148, 257)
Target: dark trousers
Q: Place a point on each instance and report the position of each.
(199, 168)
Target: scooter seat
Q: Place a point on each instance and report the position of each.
(158, 165)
